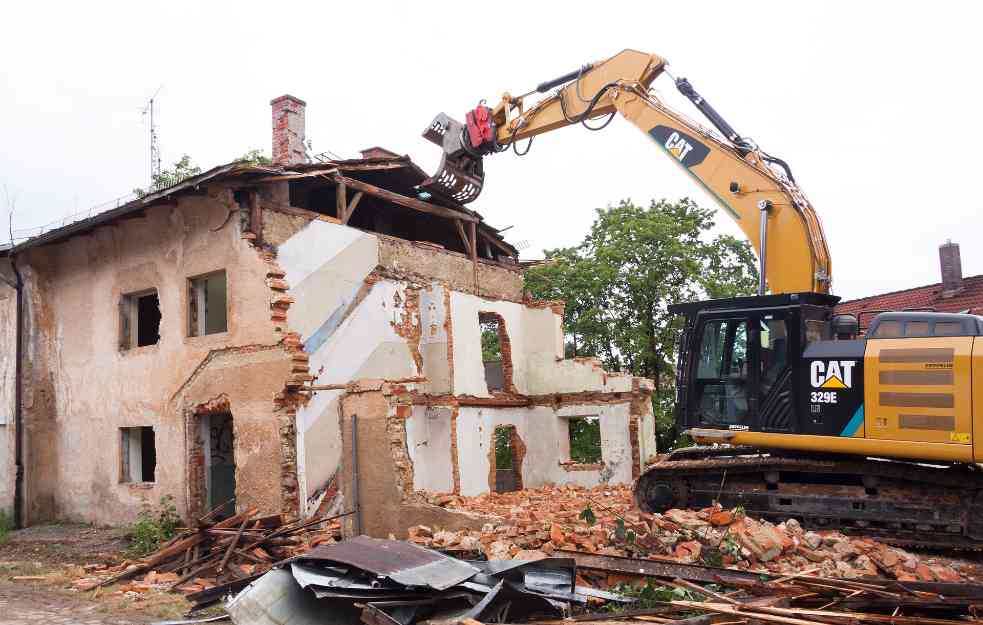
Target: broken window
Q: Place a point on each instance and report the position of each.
(492, 331)
(207, 304)
(139, 454)
(585, 439)
(139, 319)
(508, 459)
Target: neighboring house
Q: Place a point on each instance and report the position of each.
(954, 294)
(219, 339)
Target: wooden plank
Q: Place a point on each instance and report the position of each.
(497, 243)
(402, 200)
(341, 201)
(474, 242)
(352, 206)
(462, 234)
(232, 545)
(179, 547)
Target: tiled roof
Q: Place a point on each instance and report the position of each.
(929, 297)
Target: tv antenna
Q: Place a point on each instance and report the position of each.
(154, 142)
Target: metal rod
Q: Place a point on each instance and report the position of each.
(358, 507)
(764, 206)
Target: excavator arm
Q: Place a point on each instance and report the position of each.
(756, 189)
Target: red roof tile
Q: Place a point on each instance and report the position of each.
(929, 297)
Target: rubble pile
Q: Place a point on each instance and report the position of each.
(216, 552)
(536, 523)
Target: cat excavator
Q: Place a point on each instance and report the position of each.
(794, 412)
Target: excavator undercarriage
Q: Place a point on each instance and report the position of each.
(907, 504)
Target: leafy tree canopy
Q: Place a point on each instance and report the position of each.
(182, 169)
(255, 156)
(619, 281)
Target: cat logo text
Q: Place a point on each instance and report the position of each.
(831, 374)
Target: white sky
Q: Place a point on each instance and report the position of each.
(874, 104)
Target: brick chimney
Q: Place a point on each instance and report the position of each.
(952, 268)
(377, 152)
(288, 130)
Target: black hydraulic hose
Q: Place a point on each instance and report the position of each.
(743, 145)
(782, 164)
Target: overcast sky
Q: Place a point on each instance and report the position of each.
(874, 104)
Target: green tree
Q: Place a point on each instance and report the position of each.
(181, 170)
(491, 343)
(619, 281)
(255, 156)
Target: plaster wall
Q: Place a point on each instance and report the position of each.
(544, 431)
(8, 345)
(81, 388)
(536, 337)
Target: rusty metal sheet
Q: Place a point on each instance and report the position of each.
(402, 562)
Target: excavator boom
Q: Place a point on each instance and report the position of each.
(754, 188)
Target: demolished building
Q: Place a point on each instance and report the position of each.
(301, 337)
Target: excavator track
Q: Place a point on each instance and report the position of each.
(907, 504)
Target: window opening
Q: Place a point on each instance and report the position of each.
(138, 453)
(491, 328)
(585, 439)
(207, 312)
(139, 319)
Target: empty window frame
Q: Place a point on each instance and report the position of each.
(585, 439)
(207, 308)
(492, 355)
(138, 452)
(139, 319)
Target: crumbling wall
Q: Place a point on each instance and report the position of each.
(544, 430)
(384, 491)
(453, 270)
(536, 349)
(81, 387)
(367, 306)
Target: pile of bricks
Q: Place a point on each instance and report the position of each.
(533, 523)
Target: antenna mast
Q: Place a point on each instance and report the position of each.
(154, 143)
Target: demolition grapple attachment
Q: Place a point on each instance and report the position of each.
(461, 175)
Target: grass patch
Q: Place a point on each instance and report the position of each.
(154, 526)
(6, 525)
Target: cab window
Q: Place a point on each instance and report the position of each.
(774, 352)
(722, 373)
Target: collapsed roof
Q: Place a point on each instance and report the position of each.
(377, 194)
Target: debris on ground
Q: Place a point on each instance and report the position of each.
(604, 520)
(386, 582)
(215, 553)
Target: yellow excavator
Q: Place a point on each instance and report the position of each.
(795, 413)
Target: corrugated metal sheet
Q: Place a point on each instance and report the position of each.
(402, 562)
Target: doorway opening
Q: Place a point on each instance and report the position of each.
(507, 456)
(218, 443)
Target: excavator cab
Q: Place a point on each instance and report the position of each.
(744, 363)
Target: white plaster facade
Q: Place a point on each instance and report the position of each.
(358, 321)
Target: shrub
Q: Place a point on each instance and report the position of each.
(154, 527)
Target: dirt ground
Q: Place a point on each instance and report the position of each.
(38, 566)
